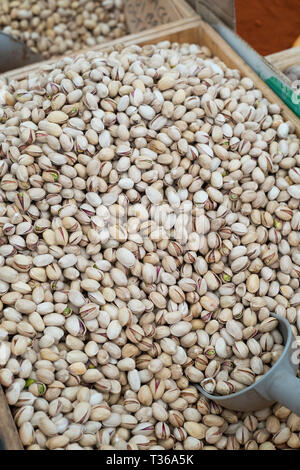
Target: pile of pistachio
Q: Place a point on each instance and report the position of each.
(56, 27)
(149, 226)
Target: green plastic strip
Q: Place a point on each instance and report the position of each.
(289, 96)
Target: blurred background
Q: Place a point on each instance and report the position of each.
(268, 25)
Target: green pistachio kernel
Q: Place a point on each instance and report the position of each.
(41, 389)
(67, 311)
(29, 382)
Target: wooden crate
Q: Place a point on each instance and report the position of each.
(189, 30)
(284, 59)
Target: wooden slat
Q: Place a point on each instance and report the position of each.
(284, 59)
(8, 432)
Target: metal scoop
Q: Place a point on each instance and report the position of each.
(279, 384)
(14, 53)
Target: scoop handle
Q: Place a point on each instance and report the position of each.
(285, 388)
